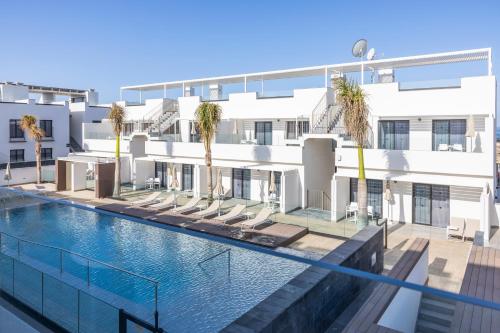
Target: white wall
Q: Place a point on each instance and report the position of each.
(59, 114)
(241, 105)
(23, 175)
(290, 191)
(78, 176)
(83, 113)
(401, 314)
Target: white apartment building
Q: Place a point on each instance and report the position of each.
(432, 146)
(60, 119)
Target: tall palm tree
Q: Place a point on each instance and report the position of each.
(28, 124)
(352, 103)
(208, 116)
(117, 116)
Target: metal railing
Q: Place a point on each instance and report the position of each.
(88, 262)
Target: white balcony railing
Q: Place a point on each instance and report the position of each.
(238, 152)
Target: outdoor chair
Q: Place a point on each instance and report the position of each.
(190, 205)
(261, 218)
(456, 227)
(168, 202)
(211, 210)
(471, 226)
(234, 213)
(150, 199)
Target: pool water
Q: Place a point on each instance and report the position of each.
(192, 297)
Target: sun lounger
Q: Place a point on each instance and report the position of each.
(471, 226)
(166, 203)
(211, 210)
(234, 213)
(261, 218)
(456, 227)
(187, 207)
(151, 199)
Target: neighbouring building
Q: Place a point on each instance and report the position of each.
(60, 113)
(430, 153)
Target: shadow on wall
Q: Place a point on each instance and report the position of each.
(396, 160)
(261, 153)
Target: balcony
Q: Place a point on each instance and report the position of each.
(238, 152)
(417, 166)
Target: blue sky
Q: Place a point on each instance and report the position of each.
(108, 44)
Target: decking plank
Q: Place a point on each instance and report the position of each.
(466, 321)
(370, 312)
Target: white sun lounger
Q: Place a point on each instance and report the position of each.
(261, 218)
(234, 213)
(151, 199)
(166, 203)
(187, 207)
(211, 210)
(456, 227)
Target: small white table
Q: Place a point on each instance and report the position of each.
(248, 214)
(201, 207)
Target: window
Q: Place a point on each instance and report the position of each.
(15, 129)
(264, 132)
(46, 154)
(128, 128)
(17, 155)
(394, 134)
(293, 127)
(46, 126)
(96, 121)
(241, 183)
(448, 134)
(375, 188)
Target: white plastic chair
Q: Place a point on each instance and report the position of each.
(352, 208)
(443, 147)
(370, 212)
(156, 183)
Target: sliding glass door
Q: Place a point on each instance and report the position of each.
(431, 205)
(241, 183)
(161, 171)
(187, 177)
(375, 189)
(264, 132)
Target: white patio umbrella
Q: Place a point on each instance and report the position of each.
(471, 130)
(272, 189)
(174, 183)
(388, 195)
(235, 129)
(219, 189)
(8, 175)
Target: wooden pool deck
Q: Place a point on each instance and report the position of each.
(481, 280)
(269, 234)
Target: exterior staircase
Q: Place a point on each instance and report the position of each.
(165, 119)
(435, 314)
(326, 118)
(74, 146)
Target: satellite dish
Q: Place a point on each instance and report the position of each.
(371, 54)
(359, 48)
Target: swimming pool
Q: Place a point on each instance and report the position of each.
(192, 297)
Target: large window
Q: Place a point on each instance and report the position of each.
(295, 129)
(46, 126)
(241, 183)
(449, 134)
(46, 154)
(394, 134)
(15, 129)
(375, 188)
(264, 132)
(17, 155)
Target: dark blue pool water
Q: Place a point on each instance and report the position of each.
(192, 297)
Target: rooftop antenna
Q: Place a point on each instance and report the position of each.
(359, 51)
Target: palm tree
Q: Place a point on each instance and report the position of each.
(28, 124)
(208, 116)
(117, 116)
(353, 106)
